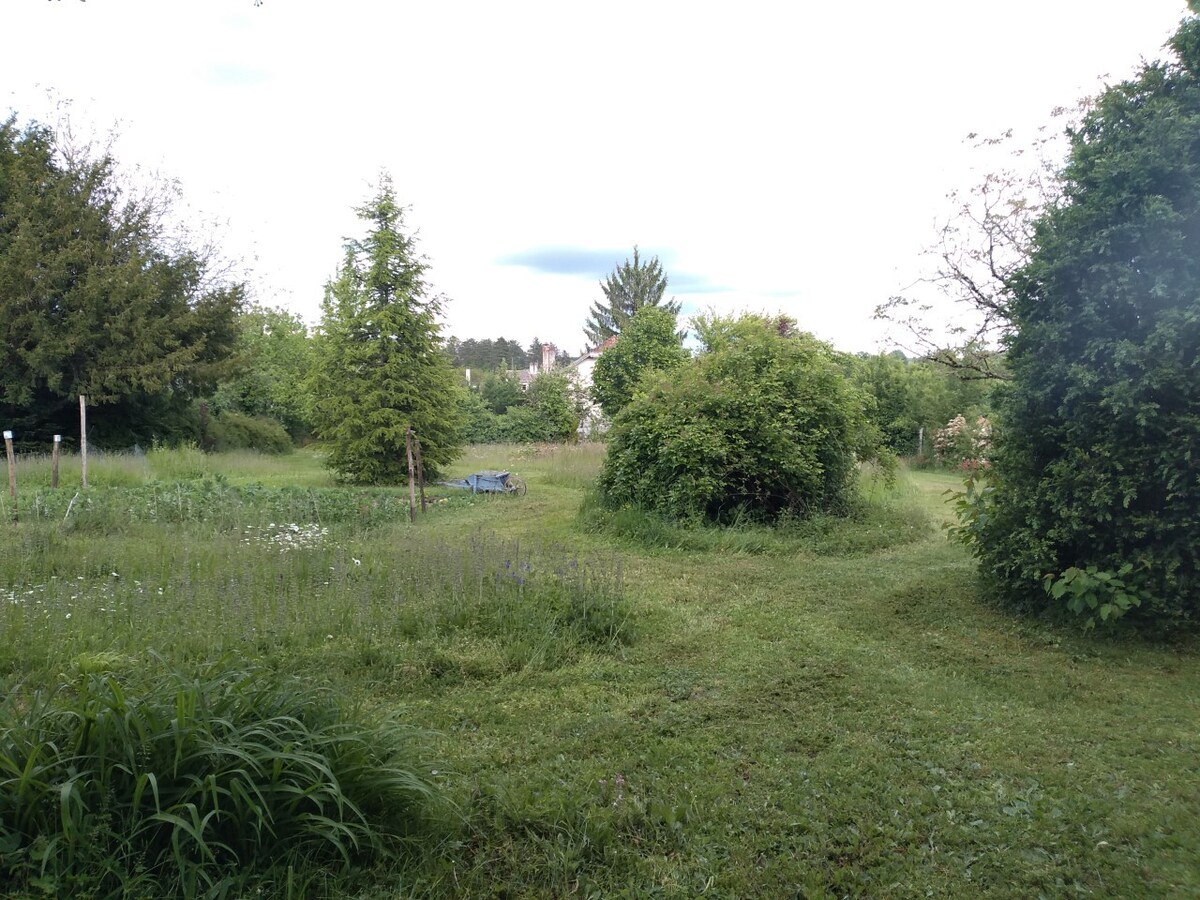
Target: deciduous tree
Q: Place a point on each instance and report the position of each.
(762, 424)
(273, 356)
(649, 343)
(1097, 490)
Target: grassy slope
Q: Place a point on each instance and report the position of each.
(785, 724)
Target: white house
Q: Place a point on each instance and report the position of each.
(580, 372)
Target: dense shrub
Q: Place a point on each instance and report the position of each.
(195, 785)
(963, 441)
(235, 431)
(480, 424)
(549, 412)
(761, 425)
(1096, 502)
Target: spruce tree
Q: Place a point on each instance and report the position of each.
(379, 362)
(628, 288)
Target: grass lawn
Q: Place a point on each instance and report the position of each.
(825, 713)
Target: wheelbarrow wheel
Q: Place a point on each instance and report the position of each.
(516, 486)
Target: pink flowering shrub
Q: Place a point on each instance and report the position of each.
(963, 444)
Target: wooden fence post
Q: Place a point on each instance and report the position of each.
(420, 469)
(54, 461)
(12, 471)
(412, 487)
(83, 438)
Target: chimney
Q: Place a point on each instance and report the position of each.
(547, 357)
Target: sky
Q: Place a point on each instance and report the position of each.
(776, 157)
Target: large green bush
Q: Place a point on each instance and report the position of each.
(761, 425)
(1096, 500)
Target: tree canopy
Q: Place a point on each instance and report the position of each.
(379, 366)
(95, 300)
(273, 357)
(649, 343)
(627, 288)
(1097, 487)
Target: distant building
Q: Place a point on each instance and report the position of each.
(580, 372)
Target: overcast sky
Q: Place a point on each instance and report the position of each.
(776, 156)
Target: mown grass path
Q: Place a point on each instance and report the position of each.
(805, 725)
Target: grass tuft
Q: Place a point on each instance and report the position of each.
(181, 784)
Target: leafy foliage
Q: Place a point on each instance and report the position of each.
(95, 300)
(273, 355)
(548, 412)
(1096, 462)
(760, 426)
(379, 367)
(649, 343)
(176, 784)
(500, 390)
(627, 289)
(913, 398)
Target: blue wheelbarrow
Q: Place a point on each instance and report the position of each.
(490, 482)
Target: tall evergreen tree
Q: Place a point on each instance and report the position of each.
(95, 301)
(628, 287)
(379, 362)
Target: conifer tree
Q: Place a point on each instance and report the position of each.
(628, 288)
(95, 300)
(379, 362)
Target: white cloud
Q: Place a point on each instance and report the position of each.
(797, 155)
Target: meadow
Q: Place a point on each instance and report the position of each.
(594, 704)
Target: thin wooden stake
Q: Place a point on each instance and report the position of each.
(54, 462)
(420, 469)
(83, 438)
(12, 471)
(412, 496)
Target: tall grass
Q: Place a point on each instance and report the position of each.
(566, 465)
(305, 596)
(170, 783)
(168, 464)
